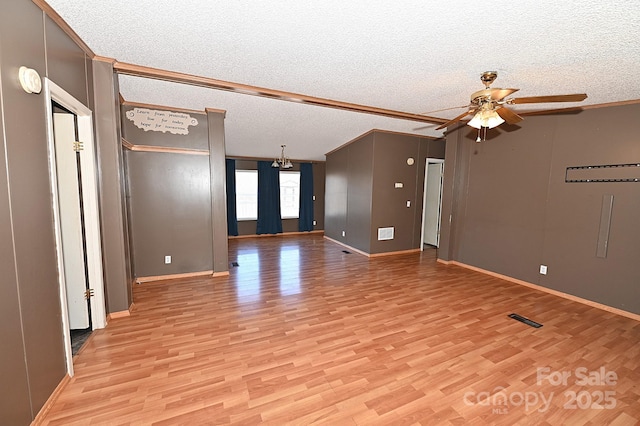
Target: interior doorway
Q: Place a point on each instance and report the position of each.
(72, 224)
(72, 167)
(432, 203)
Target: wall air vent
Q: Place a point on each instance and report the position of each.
(385, 233)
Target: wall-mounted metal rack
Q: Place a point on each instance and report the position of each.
(603, 173)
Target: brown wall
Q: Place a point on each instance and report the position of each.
(170, 212)
(361, 194)
(116, 261)
(336, 186)
(319, 177)
(169, 200)
(14, 399)
(248, 227)
(348, 196)
(32, 360)
(389, 208)
(218, 185)
(512, 210)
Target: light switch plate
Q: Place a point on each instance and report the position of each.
(167, 260)
(543, 269)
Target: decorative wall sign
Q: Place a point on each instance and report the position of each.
(161, 121)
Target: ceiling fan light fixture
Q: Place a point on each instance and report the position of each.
(486, 118)
(486, 102)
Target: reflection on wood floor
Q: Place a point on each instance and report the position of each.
(302, 333)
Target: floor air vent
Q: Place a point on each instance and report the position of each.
(525, 320)
(346, 251)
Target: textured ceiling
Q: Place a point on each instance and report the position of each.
(412, 56)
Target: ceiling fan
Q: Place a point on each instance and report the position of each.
(489, 106)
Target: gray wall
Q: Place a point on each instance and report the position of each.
(169, 200)
(248, 227)
(32, 361)
(361, 195)
(512, 211)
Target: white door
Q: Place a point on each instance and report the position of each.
(70, 220)
(89, 176)
(432, 204)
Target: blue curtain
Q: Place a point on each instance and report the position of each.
(269, 219)
(232, 217)
(305, 222)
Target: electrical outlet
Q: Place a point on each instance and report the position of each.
(344, 234)
(543, 269)
(408, 203)
(167, 260)
(315, 223)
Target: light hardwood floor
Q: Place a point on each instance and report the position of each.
(303, 333)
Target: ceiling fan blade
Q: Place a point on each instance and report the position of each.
(577, 97)
(428, 126)
(444, 109)
(509, 116)
(500, 94)
(455, 120)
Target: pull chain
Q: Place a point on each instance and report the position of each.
(484, 135)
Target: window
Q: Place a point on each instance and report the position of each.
(247, 194)
(289, 195)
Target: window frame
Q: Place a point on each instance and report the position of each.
(291, 172)
(255, 172)
(238, 210)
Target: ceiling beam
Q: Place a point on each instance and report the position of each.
(245, 89)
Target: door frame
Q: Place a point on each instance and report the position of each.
(424, 200)
(88, 160)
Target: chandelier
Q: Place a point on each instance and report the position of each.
(283, 161)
